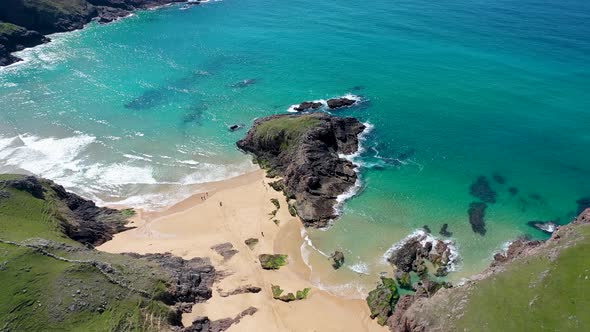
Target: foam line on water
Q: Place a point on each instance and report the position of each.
(354, 190)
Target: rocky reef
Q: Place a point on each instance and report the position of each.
(305, 150)
(24, 23)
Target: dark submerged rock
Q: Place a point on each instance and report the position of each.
(477, 211)
(244, 83)
(513, 191)
(583, 204)
(481, 189)
(499, 178)
(337, 259)
(444, 231)
(304, 149)
(426, 228)
(340, 102)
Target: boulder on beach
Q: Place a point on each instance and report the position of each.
(337, 259)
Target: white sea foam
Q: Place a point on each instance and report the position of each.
(354, 190)
(215, 172)
(131, 156)
(48, 157)
(119, 174)
(426, 237)
(360, 267)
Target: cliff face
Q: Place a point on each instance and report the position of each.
(533, 286)
(24, 22)
(304, 150)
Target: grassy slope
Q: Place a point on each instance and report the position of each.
(290, 128)
(535, 294)
(9, 28)
(39, 293)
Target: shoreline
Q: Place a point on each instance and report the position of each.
(234, 210)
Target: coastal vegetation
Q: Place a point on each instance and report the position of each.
(53, 282)
(272, 261)
(277, 294)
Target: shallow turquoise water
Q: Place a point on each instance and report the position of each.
(135, 112)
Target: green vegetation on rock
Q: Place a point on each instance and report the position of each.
(272, 262)
(292, 210)
(276, 203)
(382, 300)
(288, 129)
(289, 297)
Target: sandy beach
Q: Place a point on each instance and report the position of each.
(233, 211)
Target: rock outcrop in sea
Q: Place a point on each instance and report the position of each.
(306, 151)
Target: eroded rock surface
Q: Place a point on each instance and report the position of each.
(306, 149)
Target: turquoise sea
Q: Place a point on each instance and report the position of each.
(136, 112)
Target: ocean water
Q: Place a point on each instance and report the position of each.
(136, 112)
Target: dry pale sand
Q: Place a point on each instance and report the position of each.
(233, 211)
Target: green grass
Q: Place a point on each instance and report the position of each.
(23, 216)
(38, 292)
(535, 294)
(290, 129)
(272, 262)
(9, 28)
(58, 6)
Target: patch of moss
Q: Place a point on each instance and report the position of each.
(277, 222)
(9, 28)
(302, 294)
(292, 210)
(272, 262)
(289, 129)
(278, 185)
(276, 203)
(289, 297)
(382, 300)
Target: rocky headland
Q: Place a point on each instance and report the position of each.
(50, 266)
(306, 150)
(25, 23)
(525, 284)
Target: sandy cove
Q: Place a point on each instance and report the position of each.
(233, 211)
